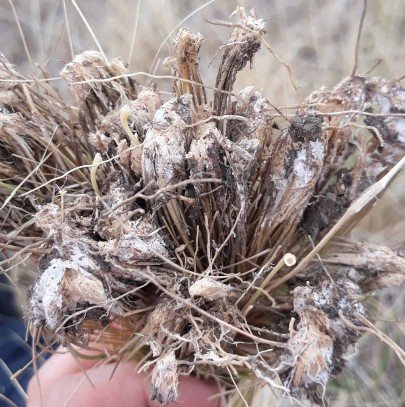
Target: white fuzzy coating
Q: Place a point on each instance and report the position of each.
(303, 166)
(165, 379)
(209, 289)
(383, 102)
(48, 287)
(400, 128)
(133, 247)
(141, 244)
(63, 284)
(163, 155)
(312, 344)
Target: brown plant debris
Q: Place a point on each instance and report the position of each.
(371, 266)
(159, 226)
(321, 337)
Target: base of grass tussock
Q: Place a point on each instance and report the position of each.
(207, 229)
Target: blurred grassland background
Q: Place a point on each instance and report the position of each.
(315, 37)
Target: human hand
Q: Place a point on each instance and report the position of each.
(63, 383)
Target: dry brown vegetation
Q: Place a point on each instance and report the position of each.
(194, 234)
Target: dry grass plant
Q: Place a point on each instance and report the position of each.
(206, 233)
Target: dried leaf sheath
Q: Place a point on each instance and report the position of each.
(288, 185)
(239, 50)
(356, 158)
(96, 99)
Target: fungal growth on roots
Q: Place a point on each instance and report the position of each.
(186, 233)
